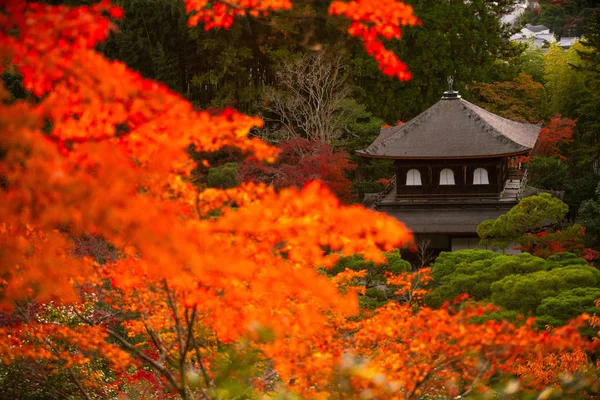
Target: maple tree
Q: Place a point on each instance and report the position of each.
(548, 242)
(210, 294)
(301, 161)
(113, 162)
(405, 350)
(557, 133)
(520, 99)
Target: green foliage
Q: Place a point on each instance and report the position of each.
(237, 366)
(566, 17)
(223, 177)
(531, 62)
(367, 174)
(525, 293)
(564, 259)
(554, 290)
(559, 309)
(375, 272)
(359, 127)
(532, 214)
(369, 302)
(474, 271)
(566, 86)
(31, 380)
(573, 82)
(377, 294)
(549, 173)
(589, 213)
(155, 40)
(362, 187)
(444, 45)
(448, 262)
(554, 17)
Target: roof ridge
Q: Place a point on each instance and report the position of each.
(477, 110)
(497, 134)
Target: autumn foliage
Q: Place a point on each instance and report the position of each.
(558, 132)
(569, 239)
(301, 161)
(211, 294)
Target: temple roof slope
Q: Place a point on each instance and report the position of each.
(454, 128)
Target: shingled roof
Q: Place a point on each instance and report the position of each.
(454, 128)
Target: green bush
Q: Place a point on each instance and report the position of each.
(566, 305)
(526, 292)
(532, 214)
(377, 294)
(447, 262)
(223, 177)
(554, 290)
(474, 271)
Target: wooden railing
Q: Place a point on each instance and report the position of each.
(522, 186)
(386, 190)
(516, 174)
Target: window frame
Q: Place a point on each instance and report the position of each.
(414, 180)
(481, 176)
(444, 174)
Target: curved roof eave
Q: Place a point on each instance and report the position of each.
(367, 155)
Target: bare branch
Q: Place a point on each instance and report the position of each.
(312, 98)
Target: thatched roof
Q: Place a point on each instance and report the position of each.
(454, 128)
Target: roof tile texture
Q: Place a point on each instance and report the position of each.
(454, 128)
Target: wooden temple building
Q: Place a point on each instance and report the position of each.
(452, 170)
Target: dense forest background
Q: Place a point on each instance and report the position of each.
(322, 97)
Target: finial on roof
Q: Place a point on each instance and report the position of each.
(451, 93)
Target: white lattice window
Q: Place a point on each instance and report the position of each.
(480, 177)
(447, 177)
(413, 177)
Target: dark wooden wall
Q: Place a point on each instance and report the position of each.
(497, 169)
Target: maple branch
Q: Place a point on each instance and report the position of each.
(154, 336)
(429, 373)
(190, 325)
(475, 381)
(78, 384)
(207, 380)
(150, 333)
(160, 368)
(191, 341)
(171, 301)
(71, 373)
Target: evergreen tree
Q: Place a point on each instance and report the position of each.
(458, 38)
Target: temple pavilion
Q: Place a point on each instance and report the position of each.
(452, 170)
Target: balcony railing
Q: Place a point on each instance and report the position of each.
(522, 185)
(386, 190)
